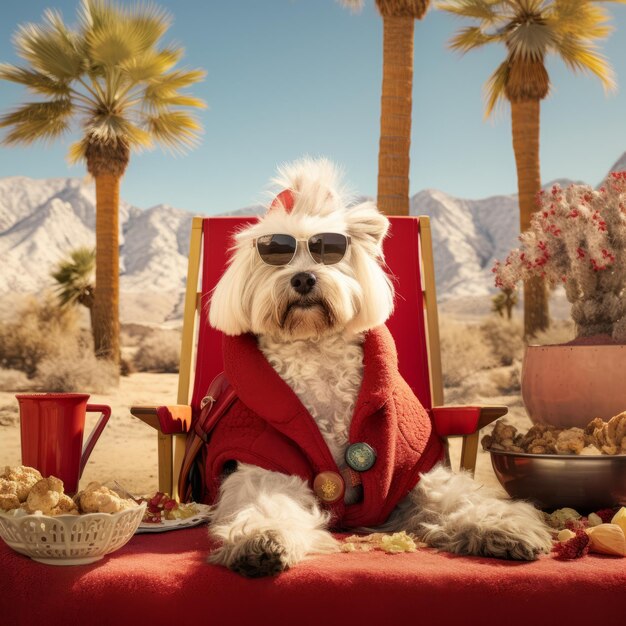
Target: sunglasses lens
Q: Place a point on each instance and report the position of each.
(328, 248)
(276, 249)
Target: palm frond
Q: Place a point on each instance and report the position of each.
(176, 130)
(581, 56)
(50, 48)
(111, 129)
(530, 41)
(115, 35)
(148, 65)
(472, 37)
(169, 84)
(37, 121)
(75, 276)
(167, 101)
(495, 87)
(34, 81)
(475, 9)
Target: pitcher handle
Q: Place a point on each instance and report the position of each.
(95, 433)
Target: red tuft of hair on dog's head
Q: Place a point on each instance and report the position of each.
(284, 200)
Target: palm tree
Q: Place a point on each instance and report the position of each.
(530, 29)
(111, 76)
(397, 100)
(75, 278)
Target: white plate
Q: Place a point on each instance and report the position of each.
(175, 524)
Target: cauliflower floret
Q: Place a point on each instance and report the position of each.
(45, 495)
(8, 495)
(97, 498)
(23, 477)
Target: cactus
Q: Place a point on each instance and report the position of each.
(577, 237)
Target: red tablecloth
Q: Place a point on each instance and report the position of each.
(159, 579)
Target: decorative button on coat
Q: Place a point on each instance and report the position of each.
(329, 487)
(360, 456)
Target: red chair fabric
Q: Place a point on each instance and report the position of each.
(164, 580)
(406, 324)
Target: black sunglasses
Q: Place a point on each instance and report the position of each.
(326, 248)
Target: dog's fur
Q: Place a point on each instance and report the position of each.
(268, 521)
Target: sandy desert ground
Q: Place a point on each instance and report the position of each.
(126, 450)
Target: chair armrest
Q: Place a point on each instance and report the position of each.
(464, 420)
(174, 419)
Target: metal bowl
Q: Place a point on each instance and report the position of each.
(584, 483)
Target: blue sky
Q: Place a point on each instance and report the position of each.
(286, 78)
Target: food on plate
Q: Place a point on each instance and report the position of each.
(97, 498)
(163, 508)
(598, 436)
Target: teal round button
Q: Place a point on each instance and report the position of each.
(360, 456)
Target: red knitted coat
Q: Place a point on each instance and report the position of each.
(269, 427)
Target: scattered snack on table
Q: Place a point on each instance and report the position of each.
(161, 507)
(593, 519)
(560, 518)
(97, 498)
(574, 548)
(391, 544)
(607, 539)
(565, 535)
(605, 437)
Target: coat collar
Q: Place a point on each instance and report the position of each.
(265, 393)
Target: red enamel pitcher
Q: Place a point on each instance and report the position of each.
(52, 426)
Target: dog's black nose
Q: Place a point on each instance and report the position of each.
(303, 282)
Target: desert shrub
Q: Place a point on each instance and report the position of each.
(560, 331)
(14, 380)
(76, 369)
(159, 352)
(505, 338)
(40, 329)
(507, 379)
(463, 351)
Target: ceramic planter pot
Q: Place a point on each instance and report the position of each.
(568, 385)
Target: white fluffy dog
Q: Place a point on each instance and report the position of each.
(309, 319)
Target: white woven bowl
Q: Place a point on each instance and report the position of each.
(70, 539)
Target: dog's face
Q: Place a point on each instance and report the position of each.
(306, 269)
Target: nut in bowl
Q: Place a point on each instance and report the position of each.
(40, 521)
(584, 469)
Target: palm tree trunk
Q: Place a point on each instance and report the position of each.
(106, 326)
(525, 126)
(395, 115)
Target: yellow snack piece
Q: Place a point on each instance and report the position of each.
(620, 519)
(565, 535)
(607, 539)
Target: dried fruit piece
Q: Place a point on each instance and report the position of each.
(573, 548)
(607, 539)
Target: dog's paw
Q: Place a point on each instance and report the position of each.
(500, 544)
(253, 557)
